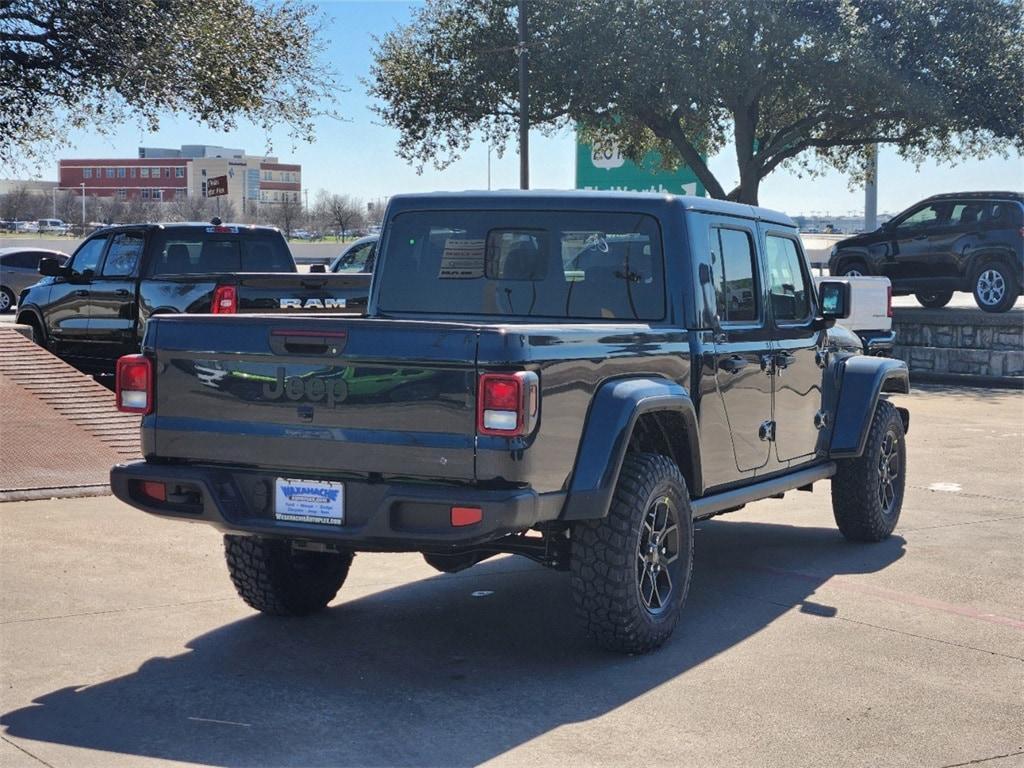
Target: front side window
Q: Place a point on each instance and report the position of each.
(788, 285)
(553, 264)
(934, 215)
(734, 267)
(123, 256)
(355, 259)
(87, 258)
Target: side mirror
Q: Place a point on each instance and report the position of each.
(49, 266)
(834, 299)
(318, 268)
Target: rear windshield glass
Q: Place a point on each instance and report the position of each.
(195, 251)
(565, 264)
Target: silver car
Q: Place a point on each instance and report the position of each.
(358, 256)
(19, 268)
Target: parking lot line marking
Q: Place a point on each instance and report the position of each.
(220, 722)
(906, 598)
(22, 749)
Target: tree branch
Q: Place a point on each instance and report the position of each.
(670, 130)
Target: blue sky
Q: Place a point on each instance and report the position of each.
(357, 156)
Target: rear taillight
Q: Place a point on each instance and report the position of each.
(225, 300)
(134, 381)
(507, 403)
(888, 301)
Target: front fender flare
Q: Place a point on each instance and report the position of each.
(613, 413)
(862, 380)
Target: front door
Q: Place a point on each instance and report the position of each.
(797, 379)
(112, 305)
(742, 343)
(67, 313)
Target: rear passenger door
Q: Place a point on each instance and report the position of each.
(112, 305)
(742, 341)
(797, 375)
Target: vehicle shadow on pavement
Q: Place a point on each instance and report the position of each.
(428, 674)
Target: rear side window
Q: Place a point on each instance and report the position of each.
(123, 256)
(552, 264)
(23, 260)
(787, 283)
(197, 252)
(733, 267)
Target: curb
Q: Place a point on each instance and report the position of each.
(967, 380)
(65, 492)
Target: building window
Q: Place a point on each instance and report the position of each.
(87, 173)
(132, 173)
(121, 173)
(122, 194)
(268, 175)
(110, 173)
(179, 173)
(158, 194)
(145, 194)
(154, 172)
(144, 172)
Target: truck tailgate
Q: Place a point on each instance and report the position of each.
(317, 395)
(307, 293)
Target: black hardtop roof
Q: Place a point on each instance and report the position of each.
(646, 202)
(1018, 196)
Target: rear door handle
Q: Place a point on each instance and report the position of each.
(81, 293)
(921, 237)
(784, 359)
(122, 292)
(733, 364)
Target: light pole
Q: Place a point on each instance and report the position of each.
(82, 185)
(488, 167)
(55, 201)
(524, 101)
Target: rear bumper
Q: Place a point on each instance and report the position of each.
(378, 516)
(878, 342)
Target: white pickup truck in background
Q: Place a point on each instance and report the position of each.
(870, 313)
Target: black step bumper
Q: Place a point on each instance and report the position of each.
(378, 515)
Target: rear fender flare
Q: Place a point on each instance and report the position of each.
(862, 380)
(613, 414)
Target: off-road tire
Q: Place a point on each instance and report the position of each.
(935, 299)
(1010, 286)
(604, 559)
(274, 579)
(7, 300)
(858, 483)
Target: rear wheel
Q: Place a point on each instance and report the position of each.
(867, 492)
(631, 569)
(6, 299)
(853, 268)
(935, 299)
(995, 287)
(274, 578)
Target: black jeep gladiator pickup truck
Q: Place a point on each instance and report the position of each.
(574, 377)
(94, 308)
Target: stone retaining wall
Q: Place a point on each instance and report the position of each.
(948, 344)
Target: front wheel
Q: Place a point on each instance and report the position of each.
(6, 300)
(274, 578)
(995, 287)
(631, 569)
(934, 300)
(867, 492)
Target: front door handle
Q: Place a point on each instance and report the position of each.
(733, 364)
(122, 292)
(81, 293)
(921, 237)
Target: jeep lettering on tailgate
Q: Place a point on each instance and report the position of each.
(313, 389)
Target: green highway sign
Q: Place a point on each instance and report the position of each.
(601, 165)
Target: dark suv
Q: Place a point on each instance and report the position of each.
(972, 241)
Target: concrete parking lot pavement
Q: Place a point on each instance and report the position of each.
(123, 643)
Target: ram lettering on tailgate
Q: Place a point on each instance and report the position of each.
(327, 303)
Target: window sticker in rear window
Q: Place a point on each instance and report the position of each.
(462, 259)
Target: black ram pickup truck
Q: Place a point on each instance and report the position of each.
(573, 377)
(95, 308)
